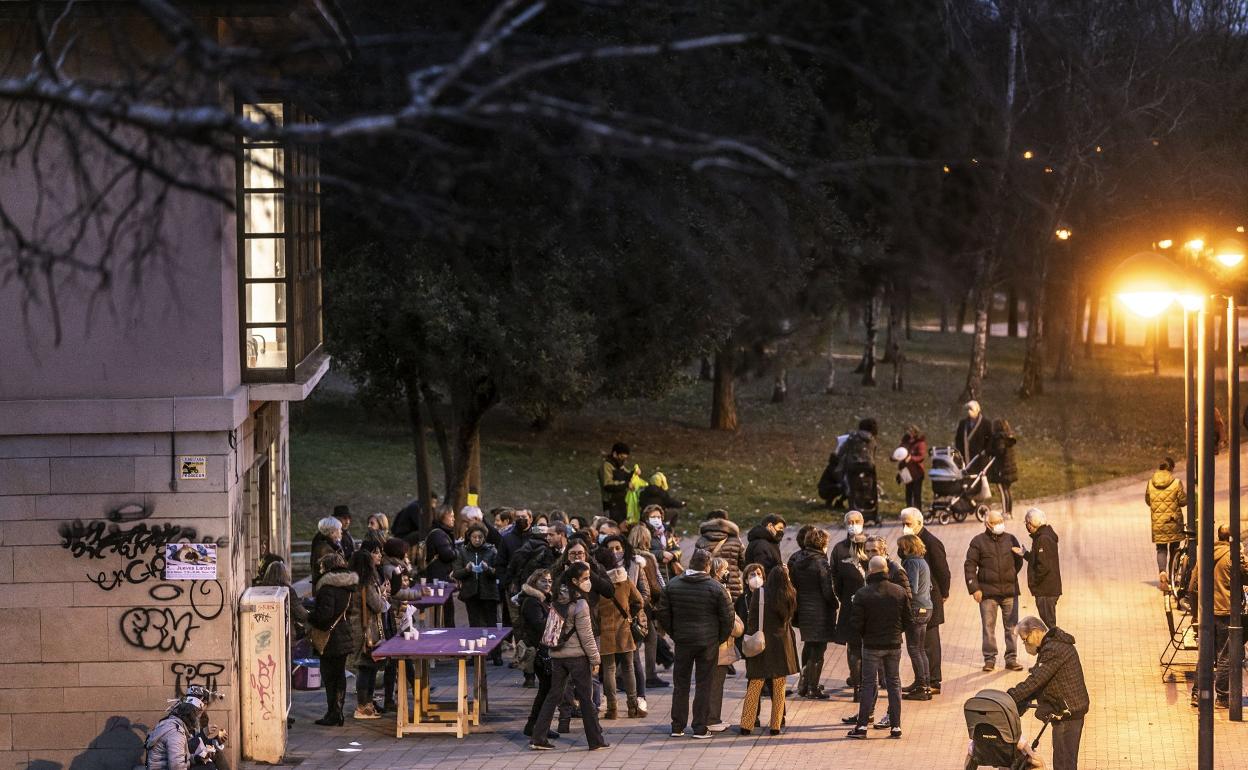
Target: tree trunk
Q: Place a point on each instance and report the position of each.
(1064, 371)
(829, 385)
(723, 395)
(962, 307)
(441, 435)
(706, 373)
(1120, 328)
(470, 408)
(1011, 312)
(978, 368)
(420, 449)
(892, 340)
(780, 390)
(1032, 383)
(1094, 318)
(1111, 323)
(870, 322)
(908, 304)
(944, 316)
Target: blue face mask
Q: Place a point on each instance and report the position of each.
(602, 538)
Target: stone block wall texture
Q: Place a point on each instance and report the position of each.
(93, 641)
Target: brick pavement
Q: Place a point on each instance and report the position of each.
(1111, 606)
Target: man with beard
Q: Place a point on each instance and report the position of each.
(1056, 683)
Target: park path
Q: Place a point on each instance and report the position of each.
(1111, 606)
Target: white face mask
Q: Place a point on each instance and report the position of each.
(756, 582)
(855, 529)
(656, 523)
(907, 530)
(998, 529)
(585, 585)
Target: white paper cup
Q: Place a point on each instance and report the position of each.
(463, 642)
(481, 642)
(415, 634)
(407, 635)
(441, 592)
(472, 645)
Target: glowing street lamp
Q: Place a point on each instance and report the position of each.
(1230, 253)
(1165, 243)
(1063, 233)
(1148, 283)
(1195, 245)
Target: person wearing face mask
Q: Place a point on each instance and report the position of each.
(877, 545)
(722, 539)
(764, 543)
(696, 612)
(1044, 568)
(911, 550)
(613, 478)
(476, 571)
(849, 573)
(938, 567)
(973, 437)
(880, 613)
(816, 609)
(615, 615)
(663, 542)
(770, 611)
(728, 655)
(534, 609)
(993, 560)
(645, 573)
(574, 660)
(1057, 684)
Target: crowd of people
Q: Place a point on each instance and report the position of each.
(598, 607)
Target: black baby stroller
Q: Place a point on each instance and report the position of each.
(996, 732)
(956, 492)
(862, 493)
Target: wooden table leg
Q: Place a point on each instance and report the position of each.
(425, 663)
(476, 689)
(461, 721)
(400, 719)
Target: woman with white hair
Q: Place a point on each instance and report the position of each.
(327, 540)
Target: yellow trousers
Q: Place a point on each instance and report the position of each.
(753, 700)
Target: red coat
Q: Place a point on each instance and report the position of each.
(918, 453)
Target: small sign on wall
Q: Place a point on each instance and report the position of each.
(190, 561)
(192, 467)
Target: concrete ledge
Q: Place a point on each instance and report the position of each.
(124, 415)
(307, 376)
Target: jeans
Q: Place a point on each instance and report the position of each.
(1066, 736)
(1007, 500)
(574, 672)
(874, 661)
(914, 494)
(698, 661)
(916, 648)
(1221, 648)
(715, 711)
(1046, 607)
(334, 680)
(609, 663)
(365, 681)
(652, 648)
(988, 618)
(853, 658)
(933, 655)
(812, 665)
(639, 672)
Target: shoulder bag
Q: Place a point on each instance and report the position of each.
(320, 638)
(756, 642)
(635, 626)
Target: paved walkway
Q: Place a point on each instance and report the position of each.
(1112, 607)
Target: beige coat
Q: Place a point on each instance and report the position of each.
(614, 634)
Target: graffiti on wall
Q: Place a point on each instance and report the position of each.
(157, 628)
(203, 674)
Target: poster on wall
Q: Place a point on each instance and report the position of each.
(190, 467)
(190, 561)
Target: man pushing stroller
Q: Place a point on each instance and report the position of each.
(1057, 685)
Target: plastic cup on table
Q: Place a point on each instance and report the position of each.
(441, 592)
(463, 642)
(415, 634)
(481, 642)
(472, 645)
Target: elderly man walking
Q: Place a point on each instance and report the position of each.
(1044, 569)
(1056, 683)
(938, 565)
(993, 560)
(879, 614)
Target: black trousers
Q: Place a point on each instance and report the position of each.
(812, 664)
(543, 689)
(577, 672)
(483, 613)
(699, 663)
(932, 642)
(365, 681)
(914, 494)
(1066, 736)
(1046, 608)
(334, 680)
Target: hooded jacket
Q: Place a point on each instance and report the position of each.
(534, 607)
(816, 598)
(576, 616)
(764, 549)
(1166, 498)
(1044, 570)
(439, 553)
(1056, 681)
(167, 745)
(1221, 578)
(714, 532)
(336, 592)
(1005, 468)
(991, 566)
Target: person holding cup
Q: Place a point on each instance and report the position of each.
(476, 569)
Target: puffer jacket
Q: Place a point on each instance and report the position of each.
(1166, 499)
(695, 610)
(581, 641)
(764, 549)
(992, 566)
(722, 538)
(336, 592)
(1056, 681)
(167, 745)
(477, 585)
(613, 628)
(534, 608)
(1004, 469)
(816, 598)
(880, 613)
(1221, 578)
(439, 553)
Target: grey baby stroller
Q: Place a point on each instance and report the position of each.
(956, 492)
(996, 733)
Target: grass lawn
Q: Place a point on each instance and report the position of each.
(1115, 419)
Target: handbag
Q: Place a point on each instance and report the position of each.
(728, 652)
(635, 627)
(756, 642)
(320, 638)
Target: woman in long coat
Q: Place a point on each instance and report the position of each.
(779, 656)
(816, 609)
(615, 614)
(1004, 470)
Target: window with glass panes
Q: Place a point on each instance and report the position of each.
(279, 250)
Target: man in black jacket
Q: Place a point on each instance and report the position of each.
(1044, 569)
(993, 560)
(879, 614)
(764, 543)
(696, 612)
(938, 565)
(1057, 684)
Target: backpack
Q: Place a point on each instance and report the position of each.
(555, 636)
(857, 450)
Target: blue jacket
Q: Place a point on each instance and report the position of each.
(920, 582)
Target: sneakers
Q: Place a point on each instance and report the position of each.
(920, 694)
(678, 733)
(718, 727)
(895, 732)
(540, 746)
(702, 734)
(858, 732)
(367, 711)
(1014, 665)
(599, 746)
(883, 724)
(852, 719)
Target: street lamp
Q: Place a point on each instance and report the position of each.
(1230, 253)
(1063, 233)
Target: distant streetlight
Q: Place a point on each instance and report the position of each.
(1230, 253)
(1165, 244)
(1195, 245)
(1063, 233)
(1028, 155)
